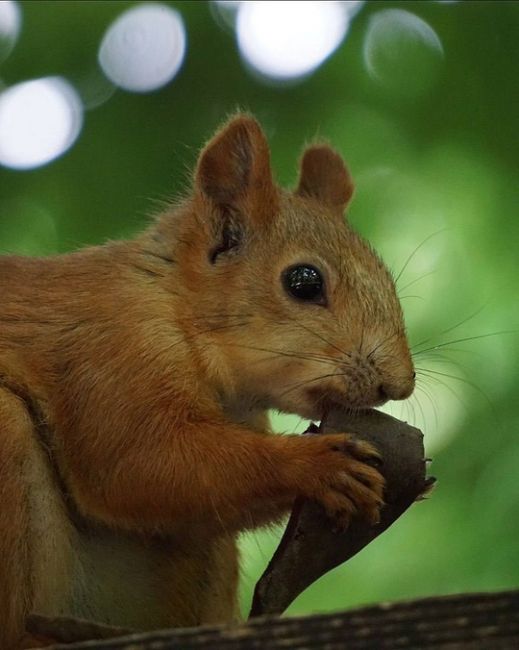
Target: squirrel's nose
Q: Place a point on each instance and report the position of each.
(396, 390)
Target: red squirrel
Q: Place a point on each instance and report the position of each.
(136, 377)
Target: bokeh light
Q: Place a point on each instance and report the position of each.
(10, 25)
(288, 40)
(144, 48)
(39, 120)
(402, 52)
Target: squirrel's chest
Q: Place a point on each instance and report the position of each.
(141, 585)
(129, 583)
(116, 581)
(122, 579)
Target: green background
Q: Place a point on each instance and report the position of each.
(433, 146)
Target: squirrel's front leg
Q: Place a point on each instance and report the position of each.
(221, 476)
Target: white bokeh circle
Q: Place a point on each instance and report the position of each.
(39, 120)
(289, 39)
(143, 49)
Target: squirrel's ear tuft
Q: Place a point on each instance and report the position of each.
(234, 167)
(325, 177)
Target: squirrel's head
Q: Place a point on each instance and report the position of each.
(291, 308)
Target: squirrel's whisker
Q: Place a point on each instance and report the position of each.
(384, 341)
(285, 353)
(456, 378)
(310, 381)
(462, 340)
(453, 327)
(409, 284)
(321, 337)
(422, 243)
(450, 389)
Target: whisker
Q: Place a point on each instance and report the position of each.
(283, 353)
(444, 374)
(416, 251)
(309, 381)
(435, 356)
(410, 403)
(409, 284)
(433, 374)
(465, 320)
(463, 340)
(440, 358)
(451, 391)
(395, 333)
(453, 327)
(410, 408)
(406, 297)
(319, 336)
(282, 322)
(431, 352)
(424, 390)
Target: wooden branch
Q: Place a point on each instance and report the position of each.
(309, 547)
(487, 621)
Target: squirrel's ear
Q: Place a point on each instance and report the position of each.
(325, 177)
(233, 170)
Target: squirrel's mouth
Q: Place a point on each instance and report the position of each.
(332, 398)
(313, 403)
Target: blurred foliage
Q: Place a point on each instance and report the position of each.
(434, 153)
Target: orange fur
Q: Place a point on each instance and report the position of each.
(135, 378)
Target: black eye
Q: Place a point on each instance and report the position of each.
(304, 282)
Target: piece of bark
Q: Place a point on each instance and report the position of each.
(309, 547)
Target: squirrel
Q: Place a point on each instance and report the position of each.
(136, 379)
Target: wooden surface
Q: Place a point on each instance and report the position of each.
(487, 621)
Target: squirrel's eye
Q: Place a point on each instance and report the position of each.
(304, 282)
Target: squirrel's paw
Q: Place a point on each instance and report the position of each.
(345, 479)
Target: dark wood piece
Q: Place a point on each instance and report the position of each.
(310, 547)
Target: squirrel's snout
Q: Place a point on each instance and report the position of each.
(396, 390)
(369, 382)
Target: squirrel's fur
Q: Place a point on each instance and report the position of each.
(135, 379)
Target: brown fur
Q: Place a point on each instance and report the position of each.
(136, 376)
